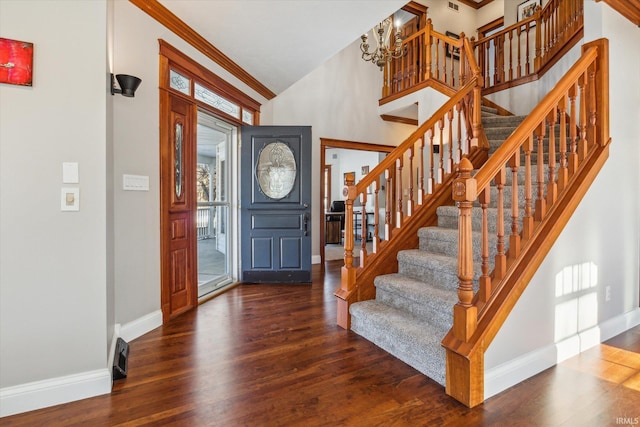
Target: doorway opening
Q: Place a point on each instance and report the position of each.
(364, 157)
(216, 143)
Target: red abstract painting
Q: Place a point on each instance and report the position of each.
(16, 62)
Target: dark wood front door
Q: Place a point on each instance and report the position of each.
(276, 204)
(177, 200)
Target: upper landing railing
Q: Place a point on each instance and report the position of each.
(515, 55)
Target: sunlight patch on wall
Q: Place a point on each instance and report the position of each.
(576, 311)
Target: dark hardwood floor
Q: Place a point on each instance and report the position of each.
(271, 355)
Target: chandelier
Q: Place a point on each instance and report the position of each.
(385, 51)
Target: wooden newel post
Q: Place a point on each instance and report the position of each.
(348, 273)
(465, 314)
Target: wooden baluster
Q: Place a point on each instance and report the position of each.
(476, 121)
(541, 206)
(463, 66)
(510, 55)
(519, 72)
(431, 183)
(459, 130)
(528, 64)
(547, 33)
(582, 142)
(376, 215)
(591, 138)
(501, 260)
(410, 200)
(465, 314)
(573, 130)
(428, 42)
(552, 187)
(464, 108)
(496, 60)
(389, 203)
(485, 279)
(421, 189)
(441, 152)
(386, 89)
(437, 64)
(562, 22)
(399, 212)
(537, 61)
(527, 221)
(514, 238)
(563, 173)
(363, 230)
(420, 48)
(449, 168)
(487, 71)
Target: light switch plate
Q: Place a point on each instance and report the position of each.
(135, 182)
(70, 173)
(70, 200)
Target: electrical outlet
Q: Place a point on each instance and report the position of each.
(607, 293)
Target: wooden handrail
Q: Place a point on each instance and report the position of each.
(408, 142)
(567, 133)
(506, 151)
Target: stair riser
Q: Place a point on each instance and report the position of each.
(436, 311)
(489, 121)
(449, 219)
(402, 340)
(426, 270)
(450, 247)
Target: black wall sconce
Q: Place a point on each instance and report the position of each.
(128, 84)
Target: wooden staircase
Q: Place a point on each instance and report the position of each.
(502, 236)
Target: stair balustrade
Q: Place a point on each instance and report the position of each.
(410, 182)
(430, 59)
(523, 51)
(561, 145)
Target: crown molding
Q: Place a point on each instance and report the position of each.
(165, 17)
(474, 4)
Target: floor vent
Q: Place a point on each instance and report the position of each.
(120, 359)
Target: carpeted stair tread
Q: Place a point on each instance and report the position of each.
(414, 340)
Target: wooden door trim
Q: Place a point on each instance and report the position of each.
(326, 143)
(171, 58)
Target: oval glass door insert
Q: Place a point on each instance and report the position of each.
(276, 170)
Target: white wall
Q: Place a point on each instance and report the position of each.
(565, 310)
(50, 260)
(338, 100)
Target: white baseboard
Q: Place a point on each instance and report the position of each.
(517, 370)
(54, 391)
(316, 259)
(132, 330)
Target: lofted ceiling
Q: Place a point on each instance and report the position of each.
(280, 41)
